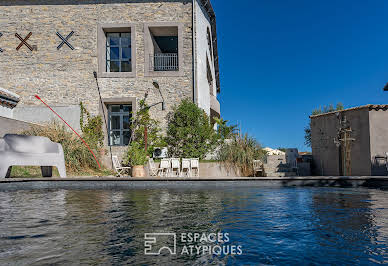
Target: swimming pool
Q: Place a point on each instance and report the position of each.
(278, 226)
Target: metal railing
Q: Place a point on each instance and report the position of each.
(164, 62)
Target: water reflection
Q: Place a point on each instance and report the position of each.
(274, 226)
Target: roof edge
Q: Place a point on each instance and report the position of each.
(212, 15)
(369, 106)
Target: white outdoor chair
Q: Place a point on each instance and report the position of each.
(20, 150)
(165, 167)
(257, 167)
(154, 171)
(194, 164)
(120, 170)
(186, 165)
(175, 167)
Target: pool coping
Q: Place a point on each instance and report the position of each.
(186, 179)
(191, 183)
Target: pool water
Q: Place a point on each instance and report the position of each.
(273, 226)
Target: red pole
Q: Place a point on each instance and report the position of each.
(145, 138)
(37, 97)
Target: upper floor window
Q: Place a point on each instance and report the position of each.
(209, 77)
(209, 42)
(164, 51)
(118, 52)
(163, 48)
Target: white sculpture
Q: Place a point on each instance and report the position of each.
(30, 151)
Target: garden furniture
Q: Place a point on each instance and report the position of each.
(194, 164)
(165, 167)
(186, 165)
(154, 171)
(257, 167)
(31, 151)
(120, 170)
(175, 167)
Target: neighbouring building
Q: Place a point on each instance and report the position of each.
(8, 101)
(51, 48)
(350, 142)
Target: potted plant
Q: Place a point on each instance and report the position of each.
(137, 158)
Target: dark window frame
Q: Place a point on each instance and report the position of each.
(121, 114)
(120, 46)
(102, 30)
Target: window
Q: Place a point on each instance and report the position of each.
(209, 77)
(163, 48)
(164, 51)
(118, 52)
(120, 118)
(209, 42)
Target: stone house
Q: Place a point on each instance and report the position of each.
(350, 142)
(52, 48)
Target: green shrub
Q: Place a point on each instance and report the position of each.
(143, 120)
(91, 130)
(240, 151)
(189, 132)
(77, 156)
(136, 154)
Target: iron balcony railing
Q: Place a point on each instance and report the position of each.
(164, 62)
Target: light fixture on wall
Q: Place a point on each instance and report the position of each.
(156, 85)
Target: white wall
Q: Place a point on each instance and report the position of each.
(41, 114)
(202, 51)
(6, 112)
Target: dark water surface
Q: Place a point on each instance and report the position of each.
(273, 226)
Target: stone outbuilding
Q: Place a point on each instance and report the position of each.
(350, 142)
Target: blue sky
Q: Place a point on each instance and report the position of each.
(281, 59)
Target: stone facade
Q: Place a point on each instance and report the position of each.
(64, 77)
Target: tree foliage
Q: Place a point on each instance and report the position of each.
(318, 111)
(91, 128)
(137, 153)
(143, 120)
(224, 131)
(189, 132)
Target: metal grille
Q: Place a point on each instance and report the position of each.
(164, 62)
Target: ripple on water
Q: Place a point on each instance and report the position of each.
(273, 225)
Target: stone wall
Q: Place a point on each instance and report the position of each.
(65, 77)
(326, 154)
(378, 120)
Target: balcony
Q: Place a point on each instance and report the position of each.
(215, 108)
(164, 62)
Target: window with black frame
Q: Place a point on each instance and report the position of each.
(120, 117)
(118, 52)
